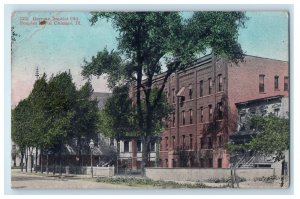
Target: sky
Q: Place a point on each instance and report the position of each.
(59, 47)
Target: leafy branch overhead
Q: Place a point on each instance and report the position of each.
(165, 39)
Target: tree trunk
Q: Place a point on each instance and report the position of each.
(41, 160)
(282, 173)
(157, 149)
(31, 161)
(60, 160)
(80, 162)
(47, 164)
(54, 166)
(14, 159)
(236, 178)
(231, 176)
(118, 152)
(36, 157)
(22, 160)
(26, 160)
(31, 158)
(145, 152)
(146, 138)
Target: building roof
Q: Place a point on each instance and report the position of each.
(101, 98)
(258, 100)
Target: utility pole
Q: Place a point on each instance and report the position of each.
(37, 73)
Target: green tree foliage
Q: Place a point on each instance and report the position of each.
(54, 113)
(152, 43)
(40, 107)
(117, 118)
(272, 138)
(21, 131)
(21, 125)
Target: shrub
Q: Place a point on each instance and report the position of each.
(131, 181)
(224, 180)
(269, 179)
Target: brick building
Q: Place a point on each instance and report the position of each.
(205, 114)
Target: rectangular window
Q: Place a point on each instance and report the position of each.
(183, 141)
(220, 83)
(209, 143)
(286, 83)
(210, 112)
(152, 146)
(220, 140)
(191, 116)
(210, 162)
(201, 114)
(183, 117)
(160, 142)
(191, 141)
(276, 82)
(173, 119)
(139, 146)
(261, 83)
(182, 99)
(191, 91)
(119, 146)
(201, 88)
(167, 163)
(173, 142)
(173, 91)
(166, 143)
(167, 122)
(220, 163)
(126, 146)
(220, 110)
(209, 86)
(202, 143)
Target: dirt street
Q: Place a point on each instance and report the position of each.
(21, 180)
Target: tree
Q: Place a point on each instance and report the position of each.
(117, 118)
(272, 138)
(39, 120)
(85, 120)
(21, 128)
(54, 113)
(152, 43)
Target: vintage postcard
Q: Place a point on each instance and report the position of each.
(135, 100)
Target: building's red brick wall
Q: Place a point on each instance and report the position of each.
(243, 79)
(240, 83)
